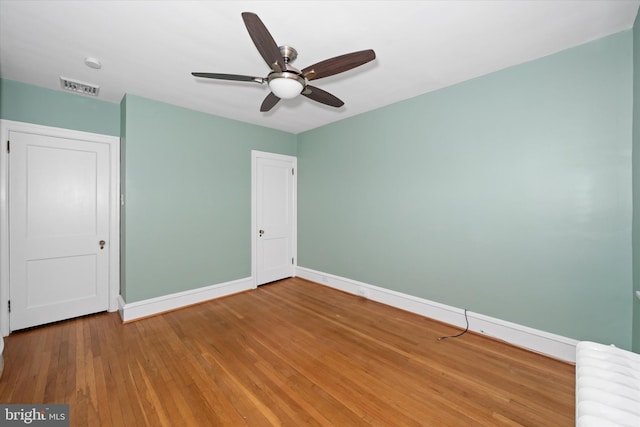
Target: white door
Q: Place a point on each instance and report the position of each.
(58, 228)
(275, 216)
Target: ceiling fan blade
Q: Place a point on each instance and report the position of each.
(322, 96)
(234, 77)
(338, 64)
(264, 42)
(269, 102)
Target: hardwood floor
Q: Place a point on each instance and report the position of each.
(289, 353)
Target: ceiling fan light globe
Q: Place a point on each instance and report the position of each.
(285, 87)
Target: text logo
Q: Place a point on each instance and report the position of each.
(34, 415)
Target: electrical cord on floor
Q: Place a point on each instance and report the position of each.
(461, 333)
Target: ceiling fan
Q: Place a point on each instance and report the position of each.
(284, 80)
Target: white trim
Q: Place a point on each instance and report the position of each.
(254, 205)
(114, 227)
(4, 229)
(7, 126)
(162, 304)
(556, 346)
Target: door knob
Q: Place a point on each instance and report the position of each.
(102, 243)
(261, 232)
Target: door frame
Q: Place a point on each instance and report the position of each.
(254, 206)
(6, 126)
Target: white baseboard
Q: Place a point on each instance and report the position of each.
(153, 306)
(556, 346)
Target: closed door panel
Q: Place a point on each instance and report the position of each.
(59, 223)
(275, 219)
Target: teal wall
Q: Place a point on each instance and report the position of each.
(26, 103)
(636, 183)
(509, 195)
(187, 197)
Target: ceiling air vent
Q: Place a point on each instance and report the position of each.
(78, 86)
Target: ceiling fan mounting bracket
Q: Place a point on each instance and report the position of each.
(288, 53)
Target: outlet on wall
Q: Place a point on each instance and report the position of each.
(363, 292)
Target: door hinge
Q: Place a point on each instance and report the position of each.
(9, 303)
(8, 146)
(291, 261)
(292, 171)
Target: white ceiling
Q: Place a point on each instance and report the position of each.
(149, 48)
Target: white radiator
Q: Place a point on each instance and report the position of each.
(607, 386)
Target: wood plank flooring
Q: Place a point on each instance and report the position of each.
(290, 353)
